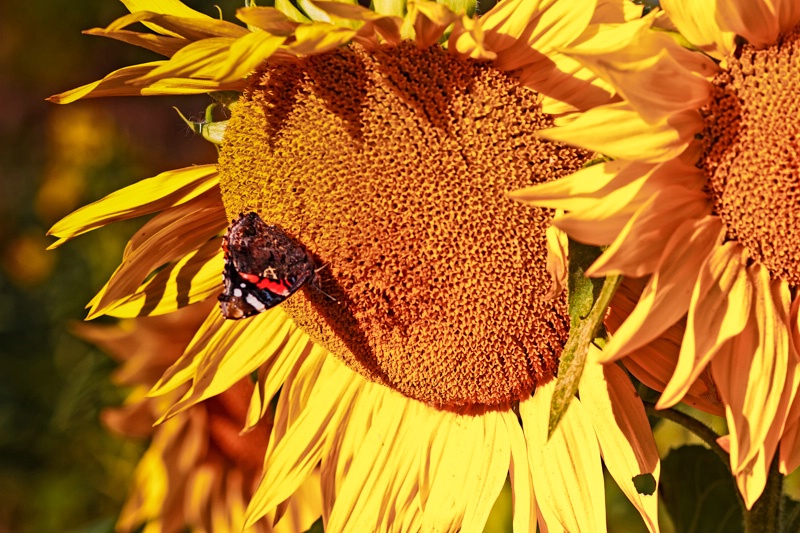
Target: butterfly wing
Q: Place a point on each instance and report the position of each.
(263, 267)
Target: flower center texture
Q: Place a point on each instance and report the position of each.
(391, 167)
(753, 153)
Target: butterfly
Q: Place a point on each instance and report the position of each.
(263, 267)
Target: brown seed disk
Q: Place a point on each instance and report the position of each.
(752, 157)
(391, 166)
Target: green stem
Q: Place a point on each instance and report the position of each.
(705, 433)
(767, 512)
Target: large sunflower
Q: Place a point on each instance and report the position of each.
(383, 141)
(704, 197)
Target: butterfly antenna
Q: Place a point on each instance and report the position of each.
(316, 271)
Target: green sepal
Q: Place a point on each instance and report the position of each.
(588, 299)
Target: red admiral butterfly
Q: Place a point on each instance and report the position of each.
(263, 267)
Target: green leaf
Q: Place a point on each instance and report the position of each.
(316, 527)
(645, 484)
(791, 514)
(699, 493)
(588, 299)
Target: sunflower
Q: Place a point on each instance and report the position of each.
(415, 371)
(197, 472)
(704, 198)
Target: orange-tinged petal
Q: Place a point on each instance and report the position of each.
(168, 189)
(667, 295)
(719, 310)
(623, 431)
(696, 21)
(196, 274)
(387, 26)
(557, 260)
(656, 76)
(654, 363)
(293, 455)
(160, 44)
(755, 20)
(752, 372)
(790, 440)
(621, 132)
(567, 473)
(636, 250)
(238, 348)
(269, 19)
(116, 83)
(430, 19)
(168, 237)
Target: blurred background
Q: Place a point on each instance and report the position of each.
(60, 470)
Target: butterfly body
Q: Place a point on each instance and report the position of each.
(263, 267)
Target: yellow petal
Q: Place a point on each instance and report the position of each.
(567, 473)
(719, 310)
(467, 39)
(623, 431)
(565, 83)
(247, 53)
(756, 374)
(191, 28)
(696, 21)
(523, 497)
(467, 465)
(293, 455)
(319, 37)
(273, 374)
(169, 7)
(190, 86)
(520, 31)
(668, 293)
(636, 249)
(116, 83)
(171, 188)
(167, 237)
(621, 132)
(236, 350)
(586, 188)
(184, 368)
(200, 59)
(191, 279)
(166, 46)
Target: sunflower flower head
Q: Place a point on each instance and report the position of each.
(751, 154)
(391, 166)
(416, 377)
(703, 203)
